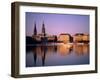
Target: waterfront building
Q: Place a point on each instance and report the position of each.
(80, 37)
(64, 37)
(86, 38)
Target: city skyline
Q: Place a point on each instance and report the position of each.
(56, 24)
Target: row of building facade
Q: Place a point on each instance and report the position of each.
(63, 37)
(79, 37)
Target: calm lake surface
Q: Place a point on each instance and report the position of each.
(57, 54)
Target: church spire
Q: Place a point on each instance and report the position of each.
(43, 29)
(35, 30)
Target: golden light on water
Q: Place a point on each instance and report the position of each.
(81, 49)
(62, 49)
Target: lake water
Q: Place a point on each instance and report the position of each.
(57, 54)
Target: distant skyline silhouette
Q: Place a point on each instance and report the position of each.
(56, 24)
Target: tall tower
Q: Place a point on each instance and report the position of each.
(43, 29)
(35, 30)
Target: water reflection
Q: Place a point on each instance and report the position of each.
(64, 49)
(58, 54)
(81, 49)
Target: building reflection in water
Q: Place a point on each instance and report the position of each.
(81, 49)
(64, 49)
(41, 53)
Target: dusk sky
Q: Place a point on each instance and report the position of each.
(56, 24)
